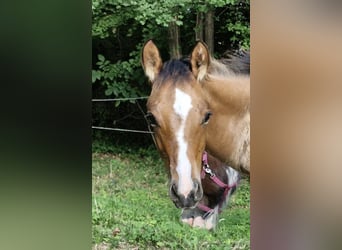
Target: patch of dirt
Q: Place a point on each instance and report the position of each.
(107, 246)
(101, 246)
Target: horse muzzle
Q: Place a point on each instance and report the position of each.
(189, 201)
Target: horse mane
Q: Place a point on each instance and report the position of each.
(232, 63)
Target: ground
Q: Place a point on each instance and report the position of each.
(131, 208)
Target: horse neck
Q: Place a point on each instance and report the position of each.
(232, 92)
(228, 130)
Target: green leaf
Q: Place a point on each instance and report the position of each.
(96, 75)
(179, 22)
(101, 57)
(108, 92)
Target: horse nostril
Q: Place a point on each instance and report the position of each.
(173, 190)
(188, 201)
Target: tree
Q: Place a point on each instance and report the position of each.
(209, 30)
(121, 27)
(199, 26)
(174, 40)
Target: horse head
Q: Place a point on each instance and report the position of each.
(179, 114)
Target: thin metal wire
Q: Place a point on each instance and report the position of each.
(119, 99)
(148, 126)
(124, 130)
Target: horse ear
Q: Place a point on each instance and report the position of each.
(200, 60)
(151, 60)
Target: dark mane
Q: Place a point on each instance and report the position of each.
(175, 71)
(238, 62)
(179, 70)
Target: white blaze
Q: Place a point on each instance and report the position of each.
(182, 106)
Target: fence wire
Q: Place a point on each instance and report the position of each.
(119, 99)
(123, 130)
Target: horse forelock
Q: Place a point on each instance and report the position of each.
(174, 71)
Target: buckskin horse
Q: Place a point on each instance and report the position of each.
(200, 105)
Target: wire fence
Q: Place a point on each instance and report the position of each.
(119, 99)
(123, 129)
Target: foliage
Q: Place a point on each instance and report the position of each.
(122, 72)
(131, 207)
(121, 27)
(238, 25)
(128, 24)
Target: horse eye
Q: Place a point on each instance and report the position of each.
(206, 118)
(151, 120)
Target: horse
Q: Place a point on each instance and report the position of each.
(219, 182)
(197, 105)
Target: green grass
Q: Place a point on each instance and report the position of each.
(131, 208)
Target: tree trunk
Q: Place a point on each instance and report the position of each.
(209, 30)
(199, 26)
(174, 41)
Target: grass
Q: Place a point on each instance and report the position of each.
(131, 208)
